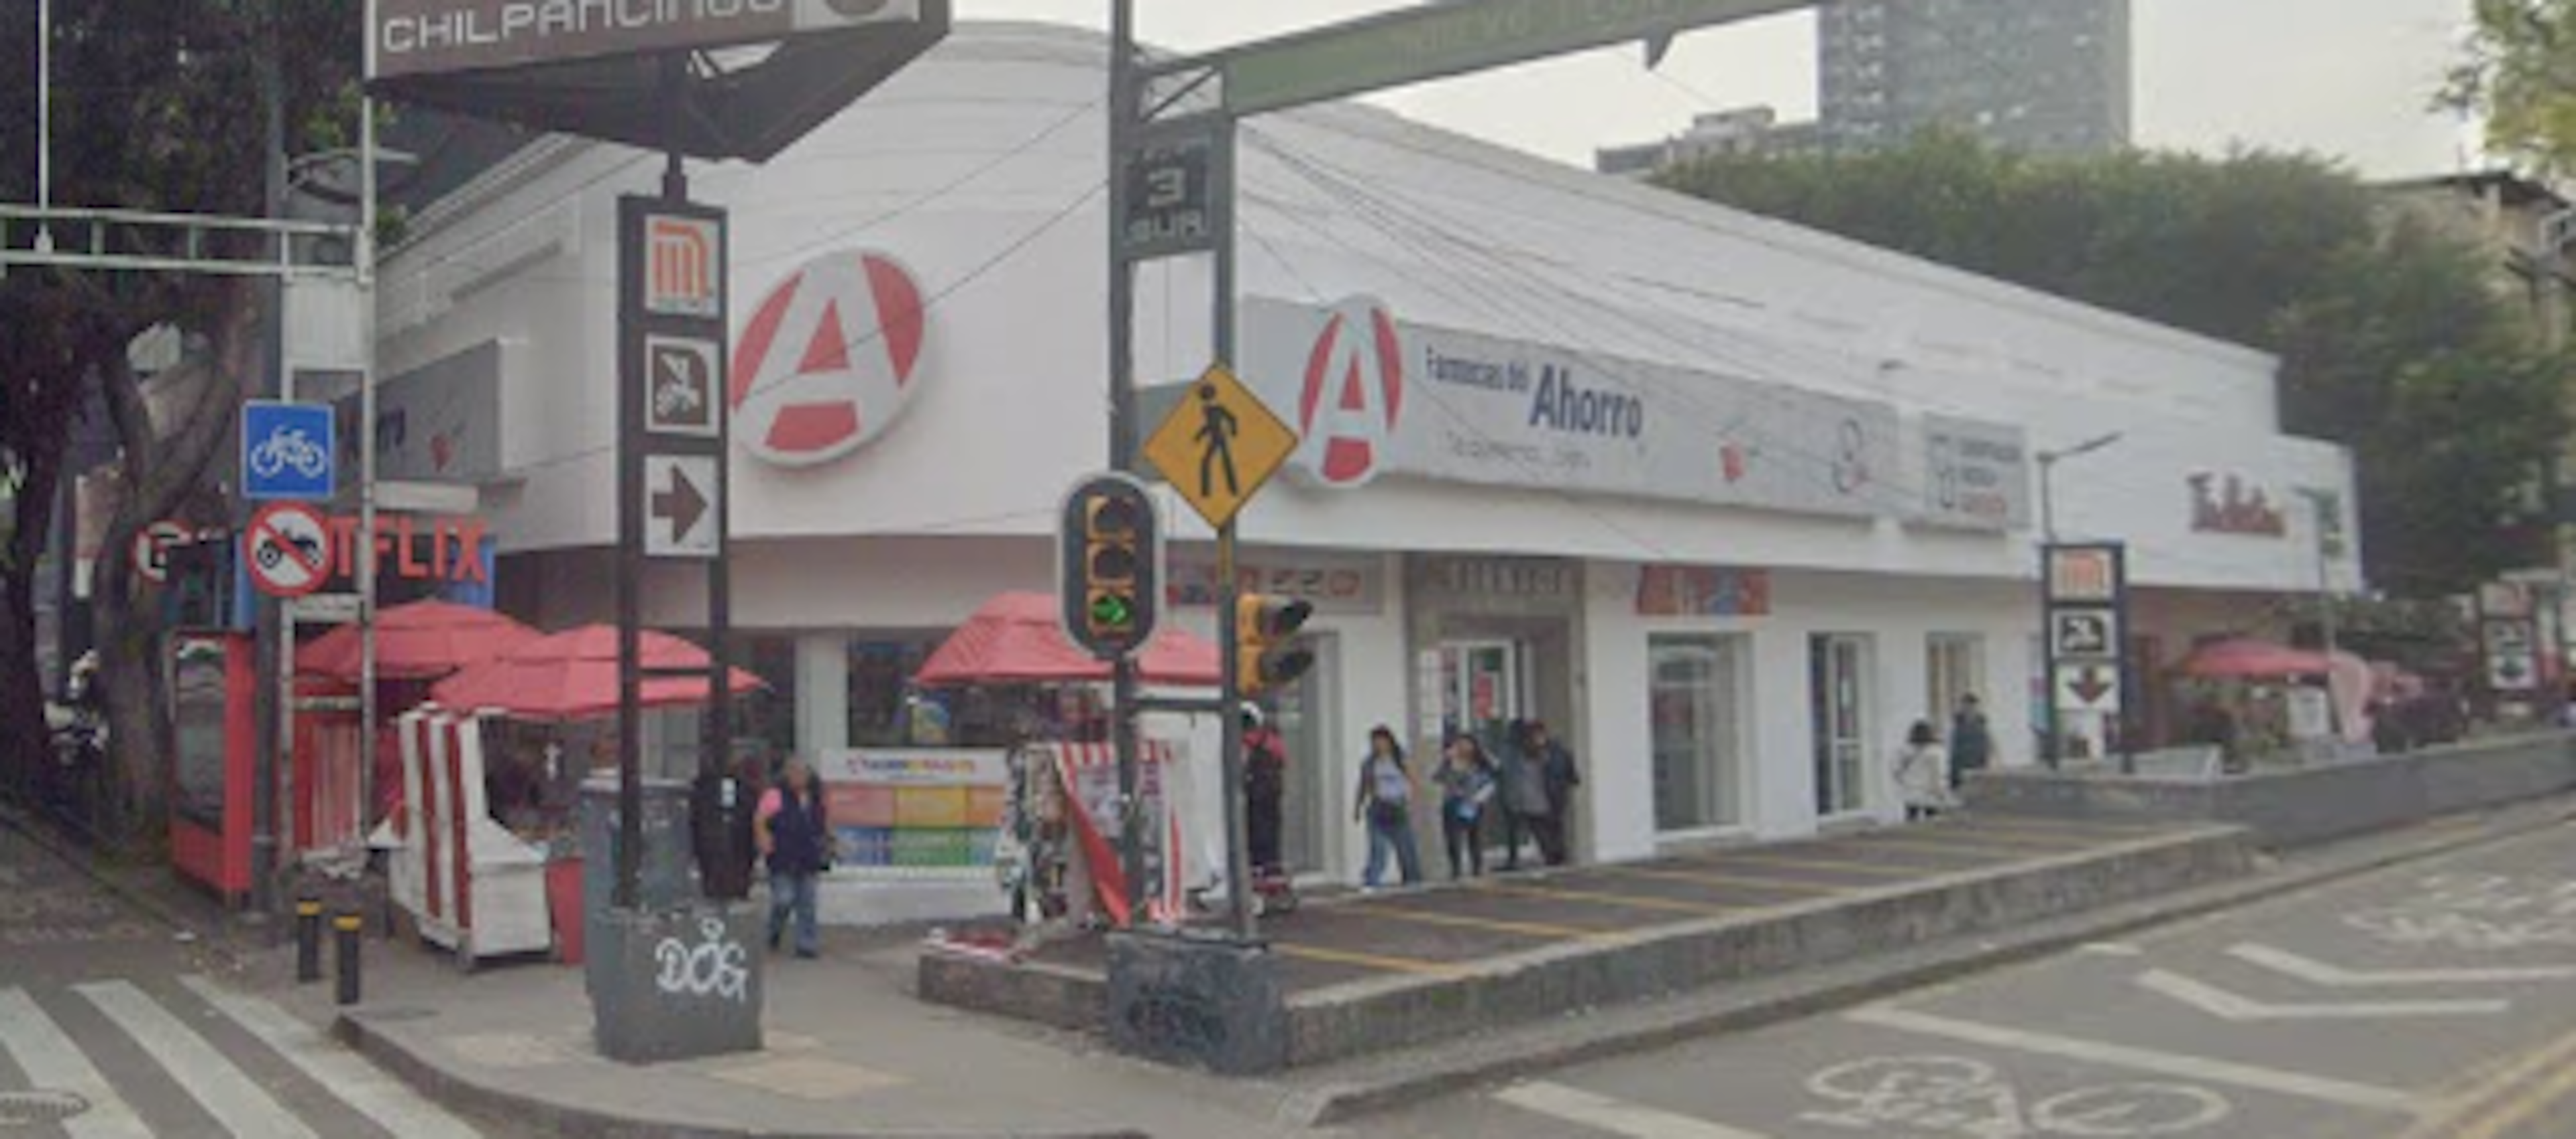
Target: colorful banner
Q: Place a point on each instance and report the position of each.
(1703, 591)
(914, 808)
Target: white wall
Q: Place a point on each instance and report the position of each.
(979, 170)
(1897, 617)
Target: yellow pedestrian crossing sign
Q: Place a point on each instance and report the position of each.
(1219, 445)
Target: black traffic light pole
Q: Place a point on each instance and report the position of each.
(1123, 433)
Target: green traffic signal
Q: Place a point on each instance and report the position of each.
(1111, 611)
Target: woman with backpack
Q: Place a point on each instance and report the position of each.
(1386, 806)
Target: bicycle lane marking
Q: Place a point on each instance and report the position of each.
(2258, 1078)
(1614, 1116)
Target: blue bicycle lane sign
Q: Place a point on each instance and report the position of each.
(288, 451)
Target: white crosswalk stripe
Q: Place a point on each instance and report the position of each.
(39, 1048)
(357, 1083)
(213, 1081)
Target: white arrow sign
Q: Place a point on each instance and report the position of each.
(2228, 1006)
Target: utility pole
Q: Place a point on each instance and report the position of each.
(274, 716)
(1122, 429)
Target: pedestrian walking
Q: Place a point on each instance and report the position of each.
(1923, 773)
(1265, 790)
(1386, 805)
(1558, 776)
(795, 837)
(1972, 742)
(1466, 779)
(1524, 792)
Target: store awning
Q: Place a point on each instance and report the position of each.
(419, 641)
(2252, 658)
(573, 676)
(1016, 639)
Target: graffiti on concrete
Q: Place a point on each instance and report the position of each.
(714, 967)
(1177, 1020)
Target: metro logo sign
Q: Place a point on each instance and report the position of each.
(1353, 396)
(680, 277)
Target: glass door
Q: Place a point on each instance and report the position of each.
(1696, 704)
(1481, 689)
(1838, 668)
(1315, 739)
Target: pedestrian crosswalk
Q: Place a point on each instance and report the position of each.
(193, 1058)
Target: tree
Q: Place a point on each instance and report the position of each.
(155, 108)
(2391, 339)
(2518, 73)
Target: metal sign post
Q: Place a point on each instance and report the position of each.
(2083, 619)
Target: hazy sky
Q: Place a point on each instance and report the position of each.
(2344, 78)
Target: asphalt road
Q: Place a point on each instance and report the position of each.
(2435, 1000)
(111, 1025)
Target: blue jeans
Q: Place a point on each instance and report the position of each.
(1398, 837)
(793, 892)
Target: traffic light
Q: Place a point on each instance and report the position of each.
(1266, 652)
(1109, 562)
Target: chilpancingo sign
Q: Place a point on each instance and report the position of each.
(422, 37)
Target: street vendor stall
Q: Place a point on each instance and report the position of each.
(1056, 825)
(493, 748)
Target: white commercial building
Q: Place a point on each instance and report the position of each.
(1726, 502)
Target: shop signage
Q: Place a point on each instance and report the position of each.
(1373, 395)
(298, 550)
(2084, 632)
(828, 360)
(423, 37)
(1501, 577)
(2228, 504)
(914, 807)
(1350, 586)
(437, 423)
(1703, 591)
(1976, 474)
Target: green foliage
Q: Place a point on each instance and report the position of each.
(2519, 74)
(2391, 338)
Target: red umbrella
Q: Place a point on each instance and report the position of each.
(2249, 658)
(573, 676)
(1016, 639)
(418, 641)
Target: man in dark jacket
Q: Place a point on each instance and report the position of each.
(796, 839)
(1559, 775)
(1972, 742)
(1265, 791)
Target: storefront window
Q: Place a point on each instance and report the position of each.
(1954, 666)
(881, 670)
(769, 716)
(1695, 704)
(1838, 667)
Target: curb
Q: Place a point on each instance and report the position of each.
(584, 1122)
(217, 939)
(1342, 1102)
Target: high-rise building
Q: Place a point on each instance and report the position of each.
(2044, 76)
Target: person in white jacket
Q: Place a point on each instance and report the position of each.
(1923, 773)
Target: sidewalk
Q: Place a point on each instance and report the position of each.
(853, 1053)
(850, 1052)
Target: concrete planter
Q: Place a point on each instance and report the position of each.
(2299, 806)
